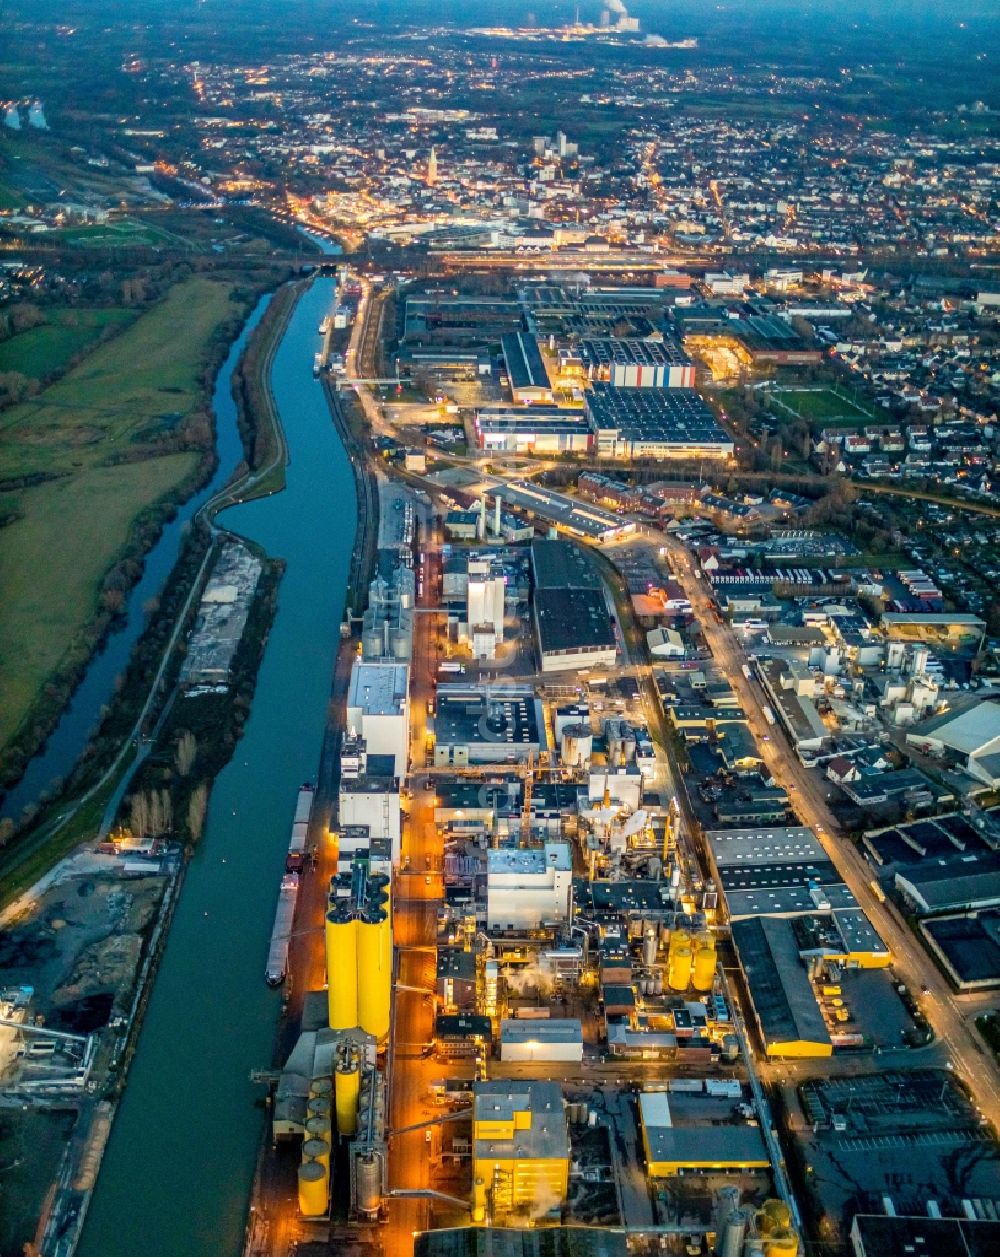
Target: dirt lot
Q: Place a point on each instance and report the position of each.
(80, 948)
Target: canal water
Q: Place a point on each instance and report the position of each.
(66, 743)
(178, 1169)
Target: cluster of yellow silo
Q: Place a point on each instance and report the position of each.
(774, 1227)
(680, 960)
(691, 960)
(359, 961)
(705, 961)
(314, 1171)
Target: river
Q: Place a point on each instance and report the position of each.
(179, 1164)
(66, 743)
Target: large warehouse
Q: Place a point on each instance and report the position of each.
(968, 736)
(655, 423)
(529, 380)
(637, 363)
(535, 430)
(572, 620)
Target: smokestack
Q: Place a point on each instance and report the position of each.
(496, 518)
(481, 524)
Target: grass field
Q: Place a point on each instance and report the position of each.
(823, 406)
(41, 351)
(52, 560)
(124, 233)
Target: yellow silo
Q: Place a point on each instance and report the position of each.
(782, 1243)
(318, 1128)
(777, 1214)
(342, 970)
(314, 1189)
(348, 1080)
(317, 1150)
(321, 1086)
(318, 1106)
(679, 961)
(374, 973)
(704, 962)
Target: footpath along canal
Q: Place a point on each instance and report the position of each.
(177, 1172)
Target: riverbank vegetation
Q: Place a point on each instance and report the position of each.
(169, 795)
(93, 465)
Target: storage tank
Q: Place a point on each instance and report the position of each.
(734, 1233)
(650, 946)
(321, 1087)
(318, 1128)
(342, 969)
(576, 746)
(374, 980)
(348, 1087)
(314, 1189)
(318, 1106)
(782, 1243)
(726, 1202)
(317, 1150)
(730, 1048)
(776, 1217)
(680, 960)
(704, 962)
(369, 1185)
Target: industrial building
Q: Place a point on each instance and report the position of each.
(967, 736)
(716, 1148)
(944, 630)
(572, 621)
(369, 794)
(526, 886)
(574, 630)
(966, 883)
(487, 724)
(520, 1148)
(637, 363)
(888, 1235)
(655, 423)
(546, 1039)
(788, 1018)
(378, 709)
(579, 518)
(539, 430)
(486, 1241)
(529, 380)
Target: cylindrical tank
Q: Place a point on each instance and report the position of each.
(318, 1106)
(658, 985)
(782, 1243)
(374, 973)
(675, 877)
(778, 1215)
(730, 1048)
(318, 1128)
(704, 962)
(342, 970)
(321, 1086)
(680, 961)
(650, 946)
(576, 745)
(348, 1087)
(314, 1189)
(730, 1243)
(726, 1201)
(317, 1150)
(369, 1184)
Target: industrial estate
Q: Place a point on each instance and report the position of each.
(554, 807)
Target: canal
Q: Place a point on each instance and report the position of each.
(66, 743)
(178, 1168)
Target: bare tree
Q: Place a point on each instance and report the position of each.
(197, 807)
(187, 749)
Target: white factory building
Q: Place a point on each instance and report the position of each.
(552, 1039)
(378, 709)
(525, 887)
(967, 735)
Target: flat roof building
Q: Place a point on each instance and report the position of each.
(637, 363)
(487, 724)
(784, 1007)
(520, 1147)
(574, 630)
(529, 380)
(552, 1039)
(528, 886)
(378, 705)
(670, 1149)
(655, 423)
